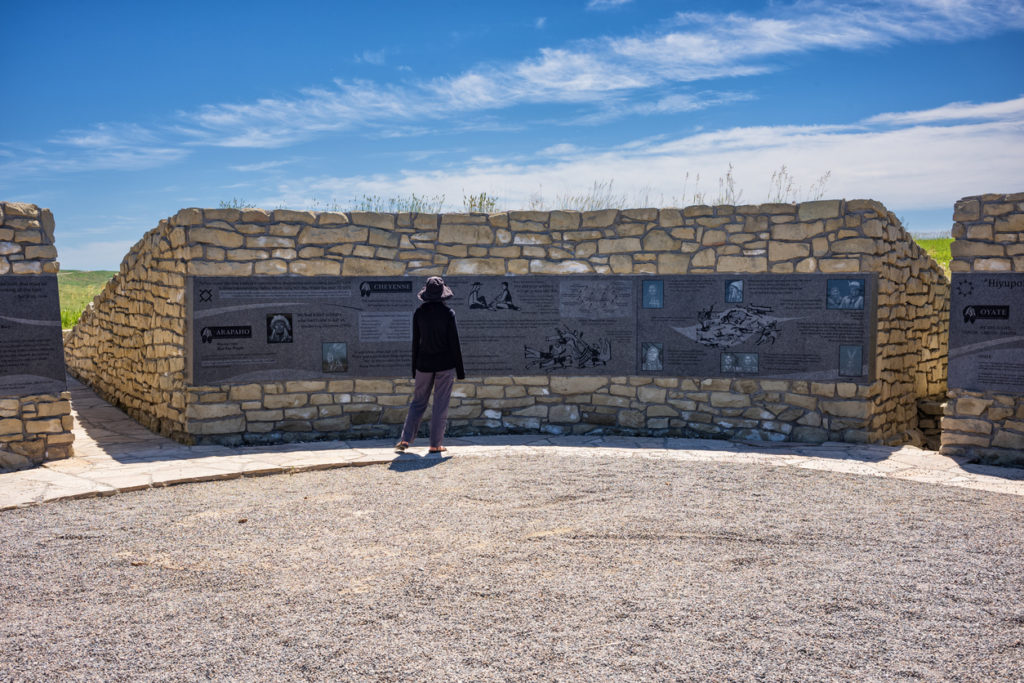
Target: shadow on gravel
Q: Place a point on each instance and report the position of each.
(411, 462)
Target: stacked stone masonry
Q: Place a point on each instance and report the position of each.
(988, 232)
(130, 344)
(37, 427)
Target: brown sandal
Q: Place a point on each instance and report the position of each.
(439, 449)
(401, 446)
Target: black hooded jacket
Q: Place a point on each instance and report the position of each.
(435, 340)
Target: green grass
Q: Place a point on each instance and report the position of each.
(938, 249)
(77, 289)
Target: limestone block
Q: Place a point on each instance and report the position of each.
(331, 218)
(713, 238)
(384, 221)
(288, 216)
(361, 266)
(1001, 265)
(640, 215)
(476, 266)
(743, 264)
(568, 267)
(565, 220)
(810, 211)
(705, 258)
(220, 238)
(651, 394)
(625, 245)
(599, 219)
(19, 210)
(564, 413)
(784, 251)
(466, 234)
(50, 426)
(621, 264)
(1014, 223)
(971, 406)
(529, 239)
(332, 235)
(670, 218)
(856, 245)
(855, 409)
(673, 263)
(45, 251)
(315, 267)
(725, 399)
(967, 210)
(206, 411)
(839, 265)
(953, 424)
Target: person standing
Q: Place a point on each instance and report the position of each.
(436, 363)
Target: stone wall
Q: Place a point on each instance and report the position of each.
(130, 344)
(37, 427)
(988, 233)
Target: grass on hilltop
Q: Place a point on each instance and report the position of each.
(77, 289)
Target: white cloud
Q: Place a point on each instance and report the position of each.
(905, 167)
(606, 4)
(262, 166)
(539, 22)
(956, 111)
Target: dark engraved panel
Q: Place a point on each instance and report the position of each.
(294, 328)
(812, 327)
(31, 346)
(543, 325)
(267, 328)
(986, 332)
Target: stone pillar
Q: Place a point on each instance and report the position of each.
(34, 427)
(987, 422)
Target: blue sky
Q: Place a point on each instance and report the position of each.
(115, 115)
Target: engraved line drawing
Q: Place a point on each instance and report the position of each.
(733, 326)
(501, 302)
(568, 349)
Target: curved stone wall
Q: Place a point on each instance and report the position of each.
(987, 424)
(34, 427)
(130, 345)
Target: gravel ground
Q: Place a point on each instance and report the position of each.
(527, 567)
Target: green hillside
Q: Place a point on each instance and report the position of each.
(77, 289)
(938, 249)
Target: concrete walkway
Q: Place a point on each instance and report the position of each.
(115, 454)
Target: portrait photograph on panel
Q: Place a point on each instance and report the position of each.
(335, 357)
(653, 294)
(652, 356)
(845, 294)
(279, 328)
(734, 292)
(851, 360)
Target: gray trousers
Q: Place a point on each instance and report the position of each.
(441, 382)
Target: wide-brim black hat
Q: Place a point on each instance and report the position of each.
(435, 290)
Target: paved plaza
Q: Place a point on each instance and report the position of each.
(114, 454)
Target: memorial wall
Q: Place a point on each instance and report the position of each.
(811, 322)
(984, 416)
(35, 407)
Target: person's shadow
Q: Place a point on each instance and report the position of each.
(411, 462)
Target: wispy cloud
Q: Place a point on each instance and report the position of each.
(957, 111)
(614, 75)
(606, 4)
(598, 80)
(262, 166)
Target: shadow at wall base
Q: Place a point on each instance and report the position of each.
(798, 435)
